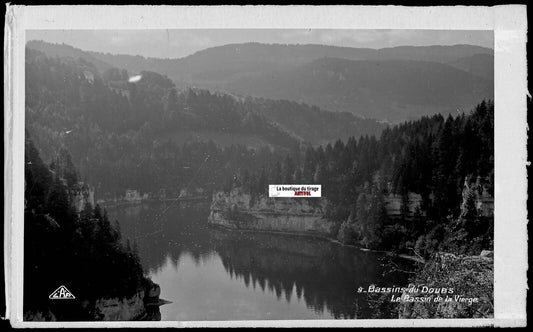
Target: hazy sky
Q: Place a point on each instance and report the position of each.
(179, 43)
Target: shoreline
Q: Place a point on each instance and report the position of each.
(286, 233)
(329, 239)
(122, 203)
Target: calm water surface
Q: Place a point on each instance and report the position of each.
(214, 274)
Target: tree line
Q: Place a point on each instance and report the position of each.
(433, 157)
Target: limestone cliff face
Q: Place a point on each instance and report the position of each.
(394, 204)
(121, 309)
(476, 197)
(39, 316)
(81, 195)
(238, 210)
(143, 305)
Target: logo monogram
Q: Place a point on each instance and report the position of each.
(62, 293)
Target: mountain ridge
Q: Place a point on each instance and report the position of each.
(236, 68)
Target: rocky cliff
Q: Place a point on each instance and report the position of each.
(81, 195)
(239, 210)
(394, 205)
(143, 305)
(121, 309)
(476, 198)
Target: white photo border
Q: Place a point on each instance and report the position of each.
(508, 22)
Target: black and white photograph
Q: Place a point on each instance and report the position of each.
(258, 174)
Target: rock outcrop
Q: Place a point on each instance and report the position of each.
(81, 195)
(476, 198)
(39, 316)
(239, 210)
(143, 305)
(394, 205)
(120, 309)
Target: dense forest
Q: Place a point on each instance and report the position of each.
(434, 157)
(82, 251)
(148, 135)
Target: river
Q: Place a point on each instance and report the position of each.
(210, 273)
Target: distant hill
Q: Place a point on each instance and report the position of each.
(481, 65)
(68, 52)
(462, 74)
(435, 53)
(395, 90)
(220, 63)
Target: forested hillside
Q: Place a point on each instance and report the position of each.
(447, 161)
(83, 251)
(405, 82)
(148, 135)
(394, 90)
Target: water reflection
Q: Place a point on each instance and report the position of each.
(158, 236)
(211, 273)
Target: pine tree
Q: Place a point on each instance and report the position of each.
(288, 170)
(262, 184)
(275, 175)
